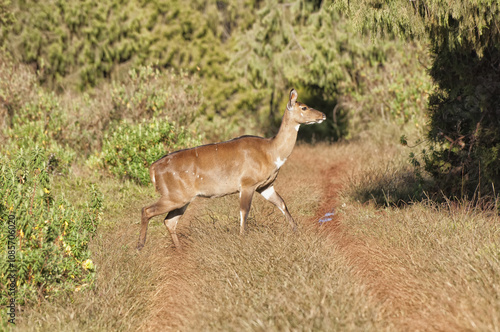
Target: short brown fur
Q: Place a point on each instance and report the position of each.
(245, 164)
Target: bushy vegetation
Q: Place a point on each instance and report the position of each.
(68, 122)
(146, 92)
(464, 40)
(51, 235)
(247, 63)
(130, 149)
(43, 134)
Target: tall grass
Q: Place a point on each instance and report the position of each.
(273, 280)
(270, 279)
(443, 256)
(419, 265)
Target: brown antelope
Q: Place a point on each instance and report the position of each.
(245, 164)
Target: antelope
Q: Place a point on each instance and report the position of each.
(245, 164)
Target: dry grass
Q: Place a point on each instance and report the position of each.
(445, 258)
(438, 265)
(419, 266)
(271, 279)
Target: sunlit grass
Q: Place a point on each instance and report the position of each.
(417, 265)
(445, 256)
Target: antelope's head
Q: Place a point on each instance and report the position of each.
(301, 113)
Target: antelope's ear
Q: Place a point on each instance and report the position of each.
(292, 99)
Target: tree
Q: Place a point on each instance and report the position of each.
(464, 109)
(6, 19)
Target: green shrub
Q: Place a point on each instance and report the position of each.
(464, 120)
(17, 84)
(30, 116)
(43, 122)
(51, 235)
(130, 149)
(66, 123)
(147, 92)
(81, 43)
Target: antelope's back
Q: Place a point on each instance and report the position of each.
(214, 169)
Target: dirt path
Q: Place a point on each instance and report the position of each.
(396, 290)
(175, 294)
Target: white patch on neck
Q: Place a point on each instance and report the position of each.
(279, 162)
(268, 192)
(297, 127)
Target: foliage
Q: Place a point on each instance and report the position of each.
(88, 39)
(312, 47)
(40, 122)
(464, 38)
(67, 123)
(130, 149)
(246, 63)
(51, 237)
(31, 116)
(465, 117)
(17, 85)
(147, 92)
(6, 19)
(78, 45)
(467, 24)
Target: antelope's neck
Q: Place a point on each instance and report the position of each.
(284, 141)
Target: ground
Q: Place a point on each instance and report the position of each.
(413, 267)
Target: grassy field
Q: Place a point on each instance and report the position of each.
(92, 94)
(413, 266)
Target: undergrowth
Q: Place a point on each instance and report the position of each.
(48, 246)
(130, 149)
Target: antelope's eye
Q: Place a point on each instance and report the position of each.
(304, 108)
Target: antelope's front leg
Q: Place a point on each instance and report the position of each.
(246, 195)
(272, 196)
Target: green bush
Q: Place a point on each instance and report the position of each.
(130, 148)
(66, 123)
(43, 122)
(81, 43)
(464, 120)
(30, 116)
(17, 85)
(51, 235)
(147, 92)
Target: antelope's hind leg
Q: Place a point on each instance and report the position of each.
(160, 207)
(171, 221)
